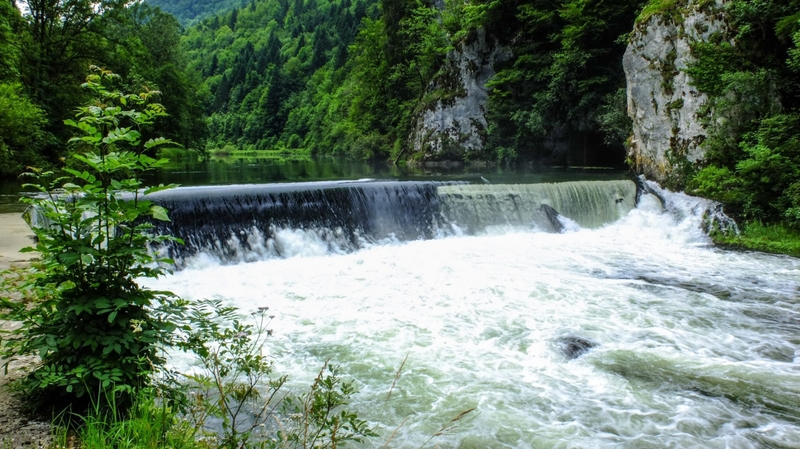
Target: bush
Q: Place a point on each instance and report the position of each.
(763, 183)
(99, 334)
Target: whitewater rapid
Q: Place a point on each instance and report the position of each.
(695, 346)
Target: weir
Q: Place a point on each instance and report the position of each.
(591, 204)
(240, 223)
(251, 222)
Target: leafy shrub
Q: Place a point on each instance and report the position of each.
(763, 183)
(99, 334)
(21, 130)
(771, 238)
(717, 183)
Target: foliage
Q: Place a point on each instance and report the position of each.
(148, 55)
(22, 122)
(763, 184)
(716, 59)
(21, 130)
(332, 91)
(189, 12)
(655, 8)
(613, 117)
(44, 52)
(99, 333)
(752, 161)
(150, 423)
(56, 42)
(770, 238)
(10, 22)
(318, 418)
(275, 73)
(556, 99)
(235, 387)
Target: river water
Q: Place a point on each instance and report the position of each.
(693, 346)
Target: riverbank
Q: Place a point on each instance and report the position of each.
(17, 429)
(15, 236)
(755, 236)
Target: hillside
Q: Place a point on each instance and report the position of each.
(189, 12)
(355, 78)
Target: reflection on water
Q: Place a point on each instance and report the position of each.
(256, 171)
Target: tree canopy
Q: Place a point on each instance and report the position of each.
(46, 52)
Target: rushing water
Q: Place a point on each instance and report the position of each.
(694, 346)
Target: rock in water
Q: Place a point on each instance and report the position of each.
(574, 347)
(547, 219)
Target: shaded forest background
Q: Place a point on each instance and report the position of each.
(338, 77)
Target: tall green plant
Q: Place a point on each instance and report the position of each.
(98, 333)
(236, 387)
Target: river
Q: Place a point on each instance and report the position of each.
(692, 346)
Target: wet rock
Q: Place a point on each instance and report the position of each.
(573, 347)
(546, 218)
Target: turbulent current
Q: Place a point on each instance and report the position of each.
(681, 344)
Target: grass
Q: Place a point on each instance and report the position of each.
(656, 7)
(229, 153)
(180, 155)
(768, 238)
(150, 424)
(669, 9)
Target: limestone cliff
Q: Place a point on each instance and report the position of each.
(664, 105)
(453, 121)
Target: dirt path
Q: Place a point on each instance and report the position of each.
(17, 430)
(14, 235)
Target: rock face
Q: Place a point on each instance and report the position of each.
(663, 103)
(454, 122)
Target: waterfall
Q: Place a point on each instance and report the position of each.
(253, 222)
(589, 203)
(634, 334)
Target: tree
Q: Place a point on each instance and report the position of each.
(21, 130)
(61, 38)
(567, 65)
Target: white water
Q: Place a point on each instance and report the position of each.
(697, 347)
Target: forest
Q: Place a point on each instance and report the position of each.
(350, 78)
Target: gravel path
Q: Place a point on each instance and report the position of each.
(17, 430)
(14, 235)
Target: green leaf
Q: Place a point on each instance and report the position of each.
(159, 213)
(159, 188)
(68, 258)
(112, 316)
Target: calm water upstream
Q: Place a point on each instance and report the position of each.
(694, 347)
